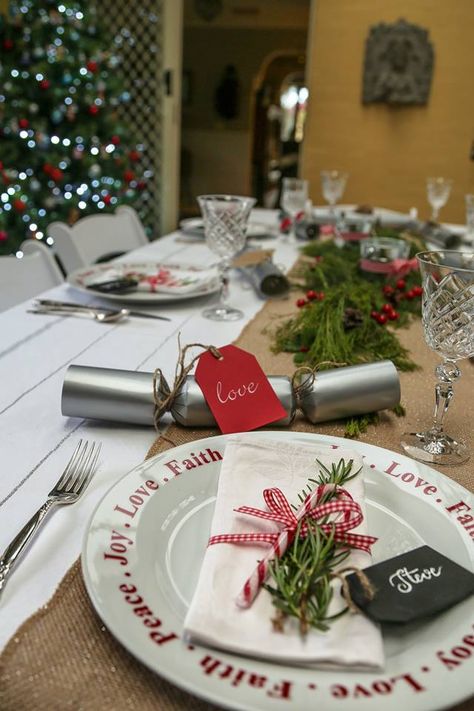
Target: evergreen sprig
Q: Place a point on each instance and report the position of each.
(302, 575)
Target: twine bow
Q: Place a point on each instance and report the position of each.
(280, 511)
(164, 396)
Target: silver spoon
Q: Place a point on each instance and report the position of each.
(101, 316)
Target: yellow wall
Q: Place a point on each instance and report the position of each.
(389, 152)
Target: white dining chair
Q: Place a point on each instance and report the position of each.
(97, 237)
(22, 278)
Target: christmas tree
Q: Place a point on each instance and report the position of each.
(63, 152)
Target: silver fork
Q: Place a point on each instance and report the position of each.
(67, 490)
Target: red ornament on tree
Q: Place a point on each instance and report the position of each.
(45, 84)
(93, 110)
(48, 168)
(23, 123)
(3, 236)
(134, 156)
(19, 205)
(92, 66)
(107, 199)
(128, 176)
(56, 174)
(115, 140)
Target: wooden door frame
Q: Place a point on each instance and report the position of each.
(171, 113)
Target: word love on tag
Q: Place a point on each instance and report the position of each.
(237, 390)
(413, 585)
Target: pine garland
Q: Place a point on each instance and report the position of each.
(338, 325)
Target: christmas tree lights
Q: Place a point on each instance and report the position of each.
(63, 152)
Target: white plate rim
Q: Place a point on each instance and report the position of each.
(216, 697)
(142, 297)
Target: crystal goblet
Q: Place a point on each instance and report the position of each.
(294, 195)
(333, 184)
(437, 191)
(448, 322)
(225, 225)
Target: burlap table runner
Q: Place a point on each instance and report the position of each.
(63, 657)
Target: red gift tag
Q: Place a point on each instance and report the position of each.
(237, 390)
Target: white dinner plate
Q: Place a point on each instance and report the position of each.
(255, 230)
(207, 280)
(143, 550)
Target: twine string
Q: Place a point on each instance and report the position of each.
(164, 396)
(301, 387)
(367, 587)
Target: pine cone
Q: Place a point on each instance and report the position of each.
(352, 318)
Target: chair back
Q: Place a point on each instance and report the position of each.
(22, 278)
(96, 236)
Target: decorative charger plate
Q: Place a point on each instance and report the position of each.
(143, 550)
(166, 282)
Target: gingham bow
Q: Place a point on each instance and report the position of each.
(280, 511)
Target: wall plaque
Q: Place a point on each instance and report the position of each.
(398, 64)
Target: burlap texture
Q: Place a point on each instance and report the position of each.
(63, 657)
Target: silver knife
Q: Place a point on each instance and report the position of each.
(83, 307)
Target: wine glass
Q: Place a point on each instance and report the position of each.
(333, 184)
(294, 195)
(437, 191)
(448, 322)
(225, 225)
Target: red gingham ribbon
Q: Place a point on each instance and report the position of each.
(280, 511)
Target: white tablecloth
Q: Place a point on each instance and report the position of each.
(36, 441)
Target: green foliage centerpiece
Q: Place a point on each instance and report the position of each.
(344, 315)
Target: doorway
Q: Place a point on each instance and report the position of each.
(235, 61)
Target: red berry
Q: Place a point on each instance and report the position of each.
(374, 315)
(304, 349)
(382, 319)
(93, 110)
(8, 44)
(107, 199)
(410, 294)
(401, 284)
(311, 295)
(393, 315)
(47, 168)
(417, 290)
(115, 140)
(23, 123)
(321, 295)
(141, 185)
(128, 175)
(45, 84)
(19, 205)
(388, 290)
(56, 174)
(92, 66)
(134, 156)
(387, 308)
(301, 302)
(3, 235)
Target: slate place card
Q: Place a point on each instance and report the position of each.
(411, 586)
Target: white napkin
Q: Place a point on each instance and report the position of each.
(156, 278)
(213, 618)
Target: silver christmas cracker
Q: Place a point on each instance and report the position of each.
(127, 396)
(352, 390)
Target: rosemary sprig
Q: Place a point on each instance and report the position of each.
(302, 576)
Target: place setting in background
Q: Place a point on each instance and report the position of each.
(146, 282)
